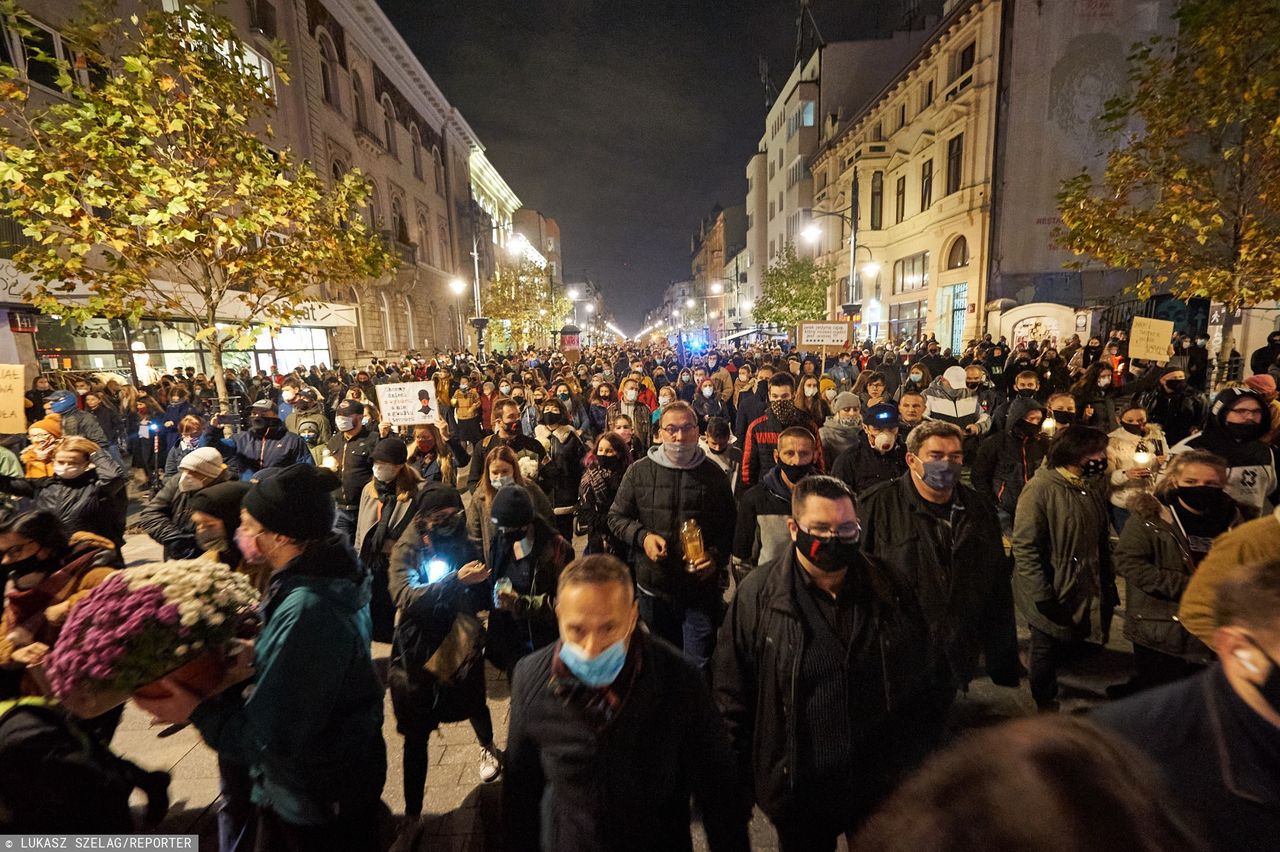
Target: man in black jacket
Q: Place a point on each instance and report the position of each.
(1214, 735)
(681, 593)
(612, 733)
(762, 435)
(1006, 460)
(506, 433)
(825, 677)
(879, 457)
(350, 454)
(942, 539)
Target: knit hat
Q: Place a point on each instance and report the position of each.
(391, 450)
(297, 502)
(205, 461)
(51, 423)
(222, 501)
(62, 401)
(1262, 383)
(437, 495)
(349, 408)
(512, 507)
(846, 400)
(882, 416)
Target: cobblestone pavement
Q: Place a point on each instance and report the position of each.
(460, 812)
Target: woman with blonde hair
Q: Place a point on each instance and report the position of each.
(434, 456)
(502, 468)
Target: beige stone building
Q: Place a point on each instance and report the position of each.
(911, 173)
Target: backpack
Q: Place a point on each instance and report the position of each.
(58, 779)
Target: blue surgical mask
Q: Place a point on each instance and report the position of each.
(600, 670)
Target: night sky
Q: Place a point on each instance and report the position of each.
(624, 120)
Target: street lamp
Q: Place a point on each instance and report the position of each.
(458, 286)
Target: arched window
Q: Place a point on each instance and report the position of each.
(438, 164)
(357, 101)
(328, 70)
(958, 256)
(424, 240)
(384, 306)
(389, 124)
(338, 169)
(415, 141)
(399, 226)
(444, 246)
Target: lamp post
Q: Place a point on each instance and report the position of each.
(813, 232)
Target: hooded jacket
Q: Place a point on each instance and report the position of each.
(762, 439)
(837, 437)
(657, 497)
(246, 453)
(1252, 477)
(1006, 460)
(310, 730)
(957, 405)
(761, 533)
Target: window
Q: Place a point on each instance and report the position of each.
(902, 115)
(772, 249)
(907, 319)
(408, 313)
(424, 240)
(911, 273)
(384, 308)
(389, 125)
(399, 227)
(796, 173)
(900, 200)
(877, 200)
(443, 231)
(964, 61)
(955, 159)
(338, 169)
(771, 170)
(375, 217)
(808, 113)
(438, 168)
(877, 133)
(358, 102)
(415, 142)
(926, 97)
(772, 211)
(926, 185)
(41, 48)
(958, 256)
(328, 70)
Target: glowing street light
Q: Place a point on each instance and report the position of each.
(688, 303)
(811, 233)
(458, 286)
(871, 269)
(717, 288)
(747, 305)
(591, 308)
(572, 293)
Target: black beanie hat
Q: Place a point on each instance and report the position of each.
(391, 450)
(222, 501)
(437, 495)
(297, 502)
(512, 507)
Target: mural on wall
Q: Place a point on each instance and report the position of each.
(1037, 328)
(1090, 72)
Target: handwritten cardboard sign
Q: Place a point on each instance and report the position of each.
(408, 403)
(13, 419)
(1149, 339)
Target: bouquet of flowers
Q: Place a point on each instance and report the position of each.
(175, 618)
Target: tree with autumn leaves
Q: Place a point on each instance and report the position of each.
(794, 290)
(522, 306)
(151, 187)
(1190, 195)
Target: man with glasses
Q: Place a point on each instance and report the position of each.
(943, 539)
(1234, 428)
(681, 585)
(824, 676)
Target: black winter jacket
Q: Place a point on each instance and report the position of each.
(355, 463)
(571, 787)
(92, 502)
(246, 453)
(84, 424)
(167, 519)
(657, 499)
(961, 576)
(756, 672)
(1005, 462)
(863, 466)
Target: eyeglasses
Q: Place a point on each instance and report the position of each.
(846, 532)
(676, 431)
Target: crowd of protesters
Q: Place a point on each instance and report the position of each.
(747, 577)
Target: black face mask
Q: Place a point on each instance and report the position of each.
(795, 472)
(258, 423)
(1093, 468)
(609, 462)
(552, 418)
(1175, 385)
(973, 385)
(783, 409)
(1027, 430)
(1063, 416)
(1026, 393)
(1244, 431)
(828, 554)
(449, 529)
(1206, 500)
(25, 566)
(716, 452)
(1133, 429)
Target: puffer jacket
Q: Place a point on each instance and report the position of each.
(310, 731)
(1062, 557)
(1121, 447)
(1154, 558)
(657, 498)
(167, 519)
(92, 502)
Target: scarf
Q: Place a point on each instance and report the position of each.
(24, 608)
(600, 706)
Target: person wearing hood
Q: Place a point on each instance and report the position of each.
(310, 730)
(762, 435)
(436, 674)
(1265, 386)
(1085, 357)
(1064, 585)
(86, 490)
(75, 421)
(761, 535)
(1168, 535)
(680, 577)
(1263, 357)
(43, 438)
(167, 516)
(266, 443)
(1006, 460)
(844, 427)
(1172, 404)
(388, 503)
(1234, 428)
(878, 454)
(306, 409)
(950, 400)
(525, 556)
(717, 442)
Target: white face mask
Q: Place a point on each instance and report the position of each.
(810, 391)
(189, 482)
(830, 394)
(464, 385)
(664, 400)
(631, 395)
(502, 481)
(344, 424)
(288, 395)
(505, 390)
(523, 547)
(385, 471)
(1102, 383)
(68, 471)
(707, 392)
(884, 441)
